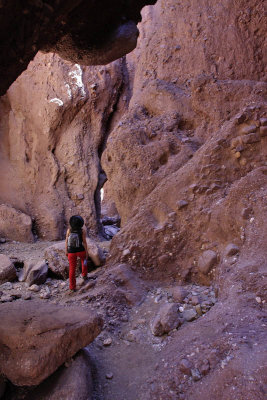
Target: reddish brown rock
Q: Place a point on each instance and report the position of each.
(15, 225)
(36, 338)
(7, 269)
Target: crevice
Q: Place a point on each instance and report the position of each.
(107, 128)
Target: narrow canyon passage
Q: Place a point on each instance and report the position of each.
(161, 147)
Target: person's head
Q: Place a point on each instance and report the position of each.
(76, 222)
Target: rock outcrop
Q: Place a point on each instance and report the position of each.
(36, 338)
(53, 124)
(84, 32)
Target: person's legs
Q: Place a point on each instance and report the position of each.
(82, 256)
(72, 262)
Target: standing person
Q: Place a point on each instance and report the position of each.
(76, 246)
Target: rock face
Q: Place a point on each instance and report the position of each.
(7, 269)
(53, 124)
(86, 32)
(189, 145)
(36, 338)
(15, 225)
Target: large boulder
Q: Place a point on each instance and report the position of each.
(15, 225)
(36, 338)
(73, 381)
(34, 273)
(58, 262)
(7, 269)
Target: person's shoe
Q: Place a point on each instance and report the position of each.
(71, 292)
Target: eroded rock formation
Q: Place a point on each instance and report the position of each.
(85, 32)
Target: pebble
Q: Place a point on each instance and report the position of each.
(109, 375)
(126, 252)
(198, 309)
(190, 315)
(45, 295)
(185, 366)
(194, 300)
(107, 342)
(258, 299)
(26, 297)
(231, 249)
(34, 288)
(2, 240)
(195, 374)
(181, 204)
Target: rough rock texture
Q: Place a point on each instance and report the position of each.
(15, 225)
(34, 273)
(188, 141)
(73, 381)
(7, 269)
(36, 338)
(54, 120)
(82, 31)
(58, 262)
(166, 320)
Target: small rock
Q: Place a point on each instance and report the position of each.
(198, 309)
(258, 299)
(109, 375)
(190, 315)
(237, 154)
(185, 366)
(107, 342)
(34, 288)
(178, 293)
(248, 129)
(206, 261)
(181, 204)
(263, 121)
(6, 299)
(194, 300)
(205, 367)
(231, 249)
(26, 296)
(45, 295)
(195, 374)
(126, 252)
(2, 240)
(166, 320)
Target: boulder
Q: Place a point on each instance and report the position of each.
(73, 381)
(34, 273)
(7, 269)
(166, 320)
(206, 261)
(15, 225)
(37, 337)
(58, 262)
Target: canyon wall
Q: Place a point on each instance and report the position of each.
(194, 131)
(54, 120)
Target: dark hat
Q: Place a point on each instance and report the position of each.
(76, 222)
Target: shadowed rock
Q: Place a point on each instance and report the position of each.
(36, 338)
(82, 31)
